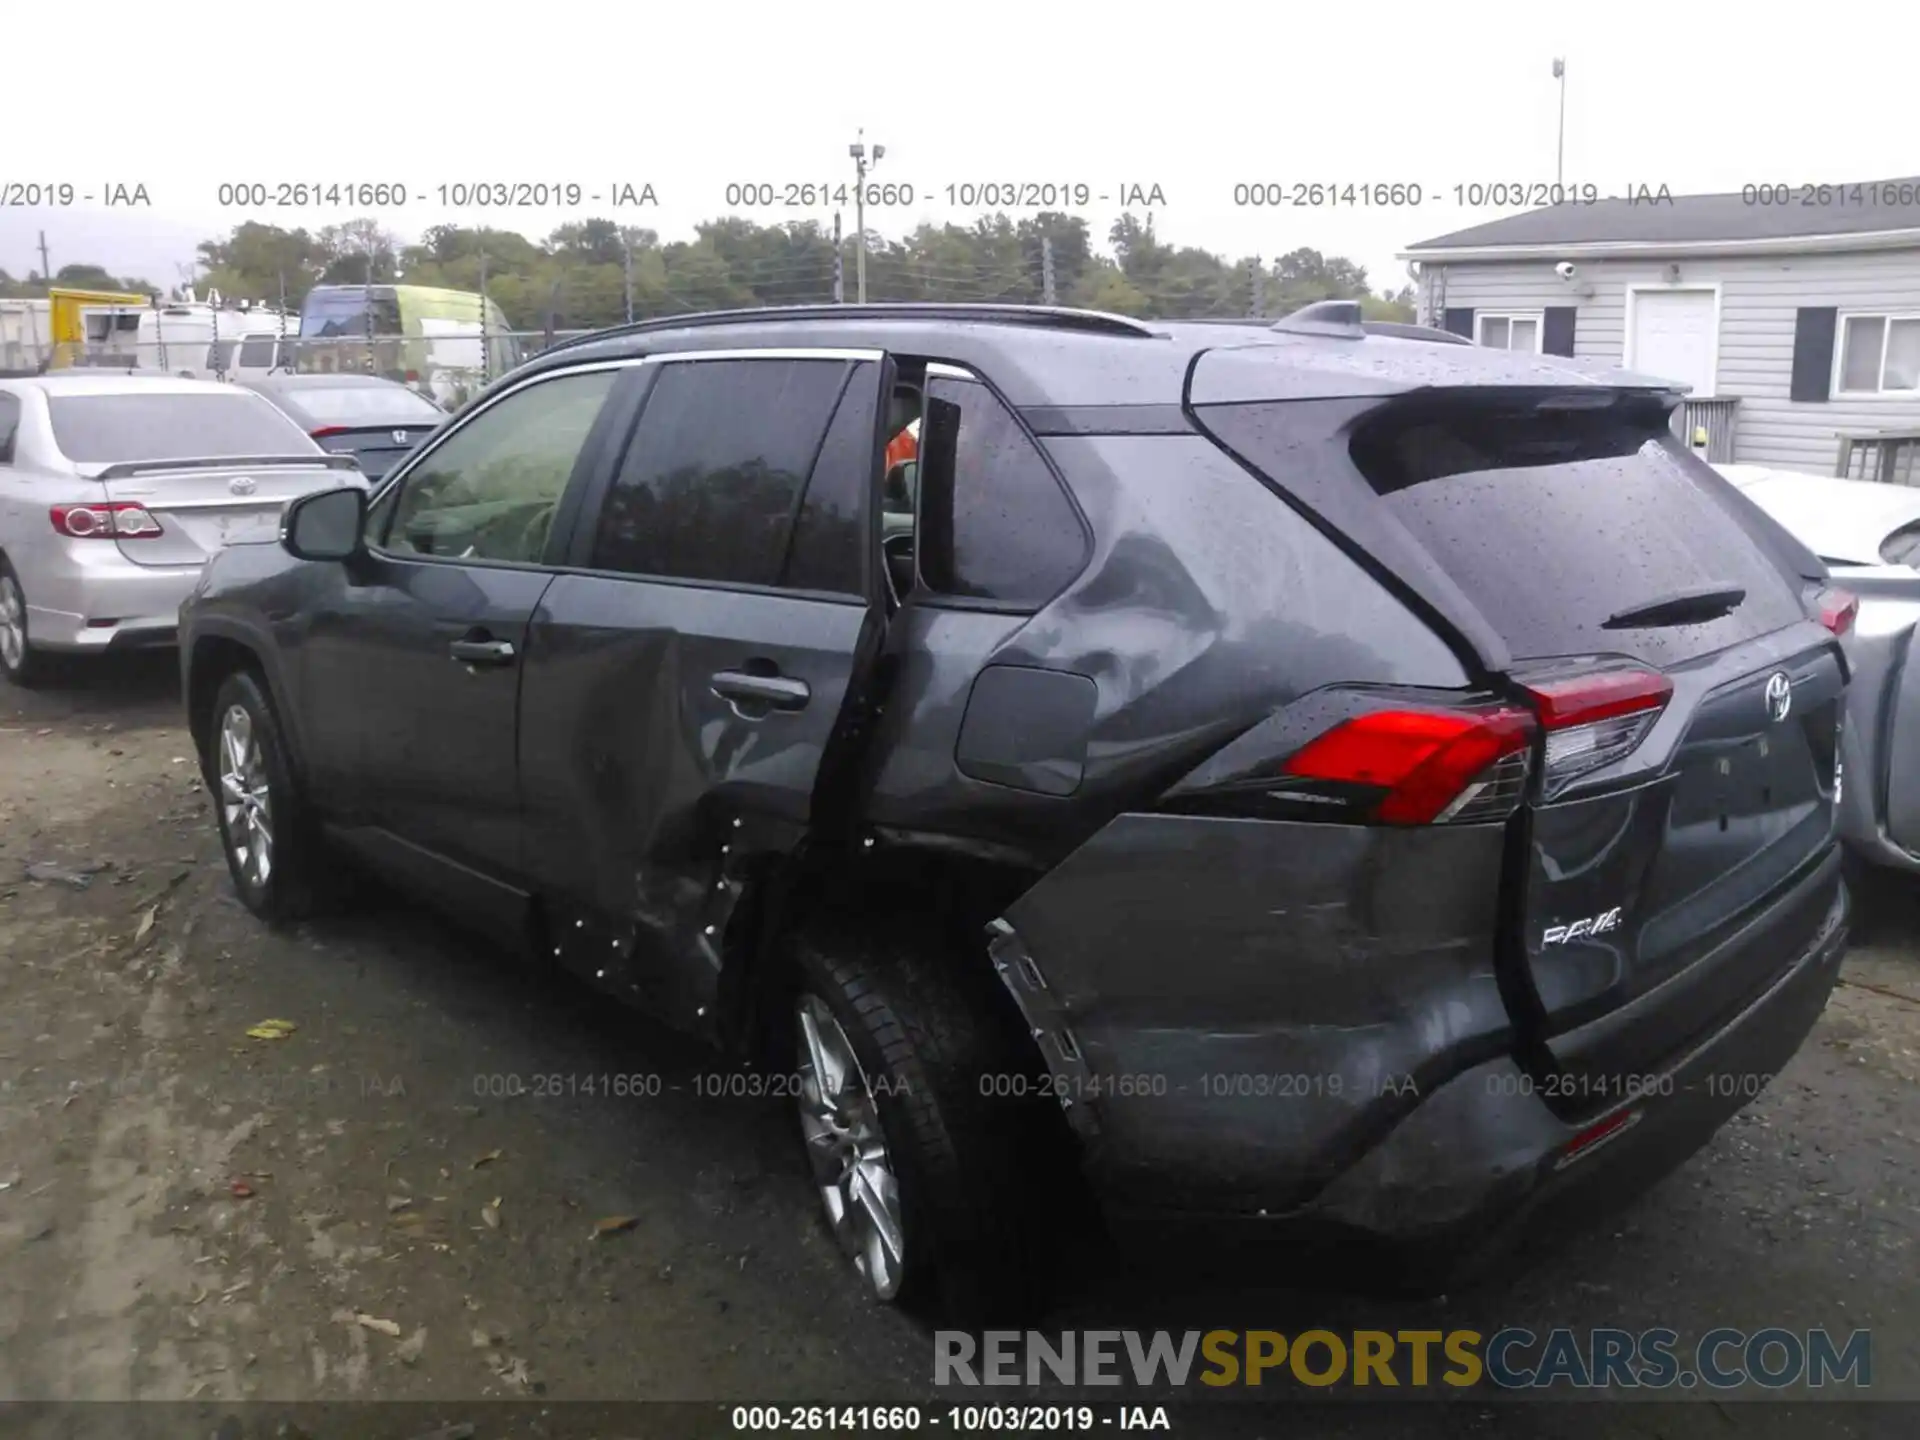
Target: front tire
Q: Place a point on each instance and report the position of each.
(265, 827)
(19, 661)
(920, 1178)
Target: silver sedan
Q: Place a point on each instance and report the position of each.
(1869, 535)
(114, 490)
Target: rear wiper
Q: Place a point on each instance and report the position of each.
(1683, 607)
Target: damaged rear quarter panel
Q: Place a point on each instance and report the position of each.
(1281, 992)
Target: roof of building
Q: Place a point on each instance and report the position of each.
(1867, 207)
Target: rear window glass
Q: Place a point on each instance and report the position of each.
(362, 405)
(105, 429)
(1553, 524)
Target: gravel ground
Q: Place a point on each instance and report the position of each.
(355, 1210)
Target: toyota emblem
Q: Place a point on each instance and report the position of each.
(241, 485)
(1779, 697)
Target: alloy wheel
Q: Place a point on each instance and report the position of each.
(847, 1149)
(245, 803)
(13, 622)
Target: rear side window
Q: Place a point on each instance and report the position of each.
(712, 478)
(104, 429)
(256, 352)
(994, 522)
(9, 426)
(829, 536)
(1555, 523)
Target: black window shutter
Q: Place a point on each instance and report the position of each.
(1556, 334)
(1813, 331)
(1460, 322)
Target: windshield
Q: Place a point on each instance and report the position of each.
(107, 429)
(346, 311)
(363, 405)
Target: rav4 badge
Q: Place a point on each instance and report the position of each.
(1593, 925)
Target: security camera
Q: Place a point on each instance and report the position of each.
(1565, 269)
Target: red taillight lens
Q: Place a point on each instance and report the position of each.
(1838, 610)
(413, 377)
(112, 520)
(326, 430)
(1596, 718)
(1435, 765)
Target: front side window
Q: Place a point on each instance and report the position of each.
(489, 492)
(1510, 332)
(1879, 355)
(710, 483)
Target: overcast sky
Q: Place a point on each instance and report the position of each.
(1193, 97)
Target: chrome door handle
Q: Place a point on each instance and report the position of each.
(482, 652)
(778, 691)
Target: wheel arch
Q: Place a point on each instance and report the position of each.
(216, 652)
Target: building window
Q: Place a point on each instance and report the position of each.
(1520, 331)
(1879, 355)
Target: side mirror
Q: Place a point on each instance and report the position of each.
(326, 525)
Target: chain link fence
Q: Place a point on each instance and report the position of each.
(449, 369)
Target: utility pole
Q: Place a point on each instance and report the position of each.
(1560, 150)
(626, 273)
(46, 265)
(839, 264)
(1046, 269)
(1259, 287)
(858, 150)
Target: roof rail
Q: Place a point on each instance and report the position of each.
(1325, 317)
(1057, 317)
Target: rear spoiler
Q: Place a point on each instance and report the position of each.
(121, 469)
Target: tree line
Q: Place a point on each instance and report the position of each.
(594, 272)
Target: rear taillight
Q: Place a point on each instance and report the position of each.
(1426, 766)
(1594, 719)
(110, 520)
(1838, 609)
(326, 430)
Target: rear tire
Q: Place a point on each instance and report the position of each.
(266, 827)
(922, 1046)
(19, 661)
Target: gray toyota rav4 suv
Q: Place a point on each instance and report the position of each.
(1313, 775)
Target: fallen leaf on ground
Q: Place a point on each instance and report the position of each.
(241, 1190)
(374, 1322)
(409, 1349)
(486, 1159)
(491, 1214)
(272, 1029)
(614, 1225)
(145, 927)
(397, 1203)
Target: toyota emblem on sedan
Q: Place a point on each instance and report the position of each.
(1779, 697)
(241, 485)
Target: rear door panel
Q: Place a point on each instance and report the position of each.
(652, 782)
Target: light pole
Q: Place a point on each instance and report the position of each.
(1560, 149)
(858, 150)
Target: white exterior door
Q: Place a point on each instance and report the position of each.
(1674, 336)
